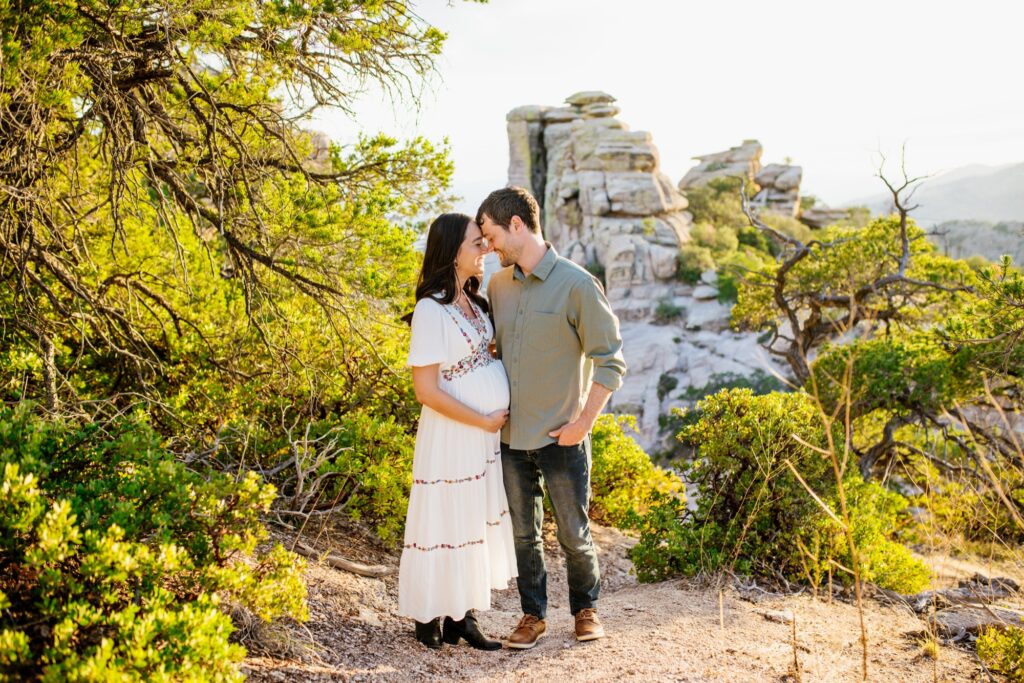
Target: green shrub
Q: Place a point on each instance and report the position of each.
(788, 226)
(728, 291)
(623, 479)
(693, 260)
(753, 515)
(718, 202)
(116, 560)
(1003, 651)
(717, 238)
(759, 381)
(735, 266)
(666, 383)
(962, 509)
(376, 465)
(891, 373)
(876, 517)
(666, 311)
(752, 237)
(674, 422)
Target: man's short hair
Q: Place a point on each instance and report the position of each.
(501, 205)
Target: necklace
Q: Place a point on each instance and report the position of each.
(465, 306)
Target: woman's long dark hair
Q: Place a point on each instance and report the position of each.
(437, 277)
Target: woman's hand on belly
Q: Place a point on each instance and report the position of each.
(493, 422)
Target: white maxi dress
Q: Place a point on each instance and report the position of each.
(458, 536)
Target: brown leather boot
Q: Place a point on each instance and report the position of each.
(588, 626)
(527, 633)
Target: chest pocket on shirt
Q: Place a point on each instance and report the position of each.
(546, 330)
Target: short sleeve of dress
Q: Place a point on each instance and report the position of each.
(428, 344)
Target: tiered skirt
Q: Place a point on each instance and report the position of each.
(458, 535)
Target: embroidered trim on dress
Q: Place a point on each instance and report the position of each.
(443, 546)
(451, 481)
(449, 546)
(478, 359)
(498, 523)
(478, 356)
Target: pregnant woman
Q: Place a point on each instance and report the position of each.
(458, 537)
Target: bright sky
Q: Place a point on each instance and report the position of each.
(828, 84)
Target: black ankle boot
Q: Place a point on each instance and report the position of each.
(468, 628)
(429, 633)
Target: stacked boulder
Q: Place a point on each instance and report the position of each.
(605, 203)
(780, 189)
(820, 217)
(778, 184)
(743, 161)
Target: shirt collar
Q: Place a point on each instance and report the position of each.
(543, 268)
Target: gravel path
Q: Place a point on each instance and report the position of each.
(668, 631)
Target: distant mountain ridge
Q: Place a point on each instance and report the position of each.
(975, 192)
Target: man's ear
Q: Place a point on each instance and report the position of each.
(516, 223)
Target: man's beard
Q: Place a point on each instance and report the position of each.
(508, 258)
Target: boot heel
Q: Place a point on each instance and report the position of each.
(452, 631)
(475, 637)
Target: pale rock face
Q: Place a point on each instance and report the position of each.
(741, 161)
(705, 292)
(561, 115)
(769, 174)
(780, 189)
(623, 266)
(526, 165)
(636, 193)
(708, 315)
(693, 358)
(600, 110)
(664, 261)
(593, 198)
(709, 277)
(650, 352)
(626, 155)
(819, 217)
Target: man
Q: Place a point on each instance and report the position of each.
(554, 328)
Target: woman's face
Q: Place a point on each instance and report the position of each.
(470, 259)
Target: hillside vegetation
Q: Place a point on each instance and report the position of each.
(201, 349)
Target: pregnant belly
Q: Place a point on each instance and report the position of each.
(484, 390)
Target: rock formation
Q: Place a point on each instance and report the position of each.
(780, 189)
(743, 161)
(779, 184)
(604, 202)
(819, 217)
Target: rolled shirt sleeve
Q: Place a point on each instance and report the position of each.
(598, 330)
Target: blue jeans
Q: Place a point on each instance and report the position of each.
(565, 472)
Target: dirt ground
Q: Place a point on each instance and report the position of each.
(668, 631)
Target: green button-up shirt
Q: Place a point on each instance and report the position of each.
(555, 332)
